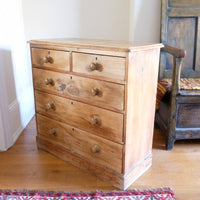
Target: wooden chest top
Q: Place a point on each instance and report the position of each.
(124, 46)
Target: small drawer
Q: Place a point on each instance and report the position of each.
(91, 147)
(51, 59)
(101, 66)
(96, 120)
(98, 92)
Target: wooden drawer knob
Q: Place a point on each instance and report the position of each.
(52, 131)
(51, 106)
(47, 59)
(95, 66)
(95, 149)
(95, 92)
(49, 81)
(95, 120)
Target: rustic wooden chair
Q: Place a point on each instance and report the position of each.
(178, 114)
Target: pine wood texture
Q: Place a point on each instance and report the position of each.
(109, 124)
(85, 89)
(24, 166)
(57, 59)
(91, 116)
(96, 149)
(110, 67)
(140, 121)
(78, 44)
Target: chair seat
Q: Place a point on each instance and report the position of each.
(187, 87)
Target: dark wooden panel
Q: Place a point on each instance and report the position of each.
(197, 64)
(190, 74)
(163, 38)
(184, 3)
(188, 116)
(181, 34)
(189, 98)
(164, 111)
(182, 12)
(183, 133)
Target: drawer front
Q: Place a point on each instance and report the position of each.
(99, 92)
(100, 66)
(188, 116)
(94, 148)
(96, 120)
(51, 59)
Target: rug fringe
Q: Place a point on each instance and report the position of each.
(45, 191)
(166, 192)
(144, 190)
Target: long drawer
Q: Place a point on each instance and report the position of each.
(98, 92)
(52, 59)
(89, 146)
(100, 66)
(99, 121)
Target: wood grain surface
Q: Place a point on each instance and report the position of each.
(76, 44)
(111, 67)
(109, 125)
(60, 59)
(184, 3)
(88, 146)
(107, 94)
(89, 115)
(141, 94)
(188, 116)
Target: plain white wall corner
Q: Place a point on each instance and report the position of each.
(144, 23)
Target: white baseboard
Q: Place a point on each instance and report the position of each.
(20, 114)
(27, 107)
(15, 120)
(16, 134)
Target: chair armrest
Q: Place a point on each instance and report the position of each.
(178, 53)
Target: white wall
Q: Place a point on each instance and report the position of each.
(145, 16)
(136, 20)
(17, 107)
(5, 131)
(50, 18)
(105, 19)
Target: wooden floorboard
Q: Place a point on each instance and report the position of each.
(26, 167)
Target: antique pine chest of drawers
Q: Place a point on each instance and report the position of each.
(95, 104)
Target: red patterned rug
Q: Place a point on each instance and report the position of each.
(155, 194)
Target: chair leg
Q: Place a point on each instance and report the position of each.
(171, 133)
(170, 143)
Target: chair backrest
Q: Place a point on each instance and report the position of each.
(180, 28)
